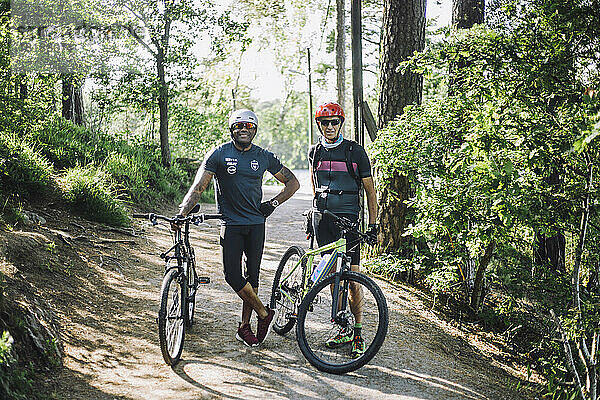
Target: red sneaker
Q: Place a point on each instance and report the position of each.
(244, 334)
(264, 326)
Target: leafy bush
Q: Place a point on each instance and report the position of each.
(90, 189)
(15, 382)
(66, 145)
(22, 169)
(133, 164)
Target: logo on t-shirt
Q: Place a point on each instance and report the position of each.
(254, 165)
(231, 165)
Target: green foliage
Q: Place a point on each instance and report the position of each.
(15, 381)
(481, 165)
(284, 130)
(132, 165)
(90, 189)
(195, 132)
(391, 266)
(66, 145)
(22, 168)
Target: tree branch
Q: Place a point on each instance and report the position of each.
(568, 353)
(585, 215)
(134, 34)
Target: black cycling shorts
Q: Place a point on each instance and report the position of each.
(235, 241)
(328, 232)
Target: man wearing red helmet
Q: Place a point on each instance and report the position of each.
(338, 169)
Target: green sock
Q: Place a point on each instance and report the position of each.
(357, 329)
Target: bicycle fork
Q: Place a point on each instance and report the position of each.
(338, 314)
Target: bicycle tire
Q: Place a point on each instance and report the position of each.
(171, 316)
(191, 299)
(286, 308)
(191, 308)
(314, 324)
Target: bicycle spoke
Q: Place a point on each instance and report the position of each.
(287, 290)
(171, 317)
(317, 332)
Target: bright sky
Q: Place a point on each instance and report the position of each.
(266, 82)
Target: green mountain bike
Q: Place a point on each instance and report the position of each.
(327, 305)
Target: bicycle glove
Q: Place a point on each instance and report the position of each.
(266, 208)
(372, 234)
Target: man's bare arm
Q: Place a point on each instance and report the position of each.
(201, 181)
(291, 183)
(312, 181)
(371, 198)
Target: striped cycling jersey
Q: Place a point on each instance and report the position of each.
(340, 194)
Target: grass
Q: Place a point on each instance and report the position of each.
(91, 191)
(22, 168)
(98, 174)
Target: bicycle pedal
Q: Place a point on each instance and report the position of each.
(203, 280)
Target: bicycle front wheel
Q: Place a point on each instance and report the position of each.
(191, 299)
(171, 316)
(316, 332)
(286, 293)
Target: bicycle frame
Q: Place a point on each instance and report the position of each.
(309, 257)
(185, 261)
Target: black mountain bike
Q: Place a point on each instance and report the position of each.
(323, 308)
(179, 285)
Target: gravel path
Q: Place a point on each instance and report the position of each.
(113, 353)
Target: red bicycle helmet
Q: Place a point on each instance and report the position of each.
(329, 110)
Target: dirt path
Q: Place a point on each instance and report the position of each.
(111, 345)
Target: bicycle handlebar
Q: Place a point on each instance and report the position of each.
(196, 219)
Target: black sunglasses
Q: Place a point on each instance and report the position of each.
(332, 122)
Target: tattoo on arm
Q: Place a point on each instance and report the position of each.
(284, 175)
(290, 181)
(193, 195)
(287, 174)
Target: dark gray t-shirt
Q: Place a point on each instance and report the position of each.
(238, 181)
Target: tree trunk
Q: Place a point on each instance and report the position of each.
(163, 107)
(403, 33)
(22, 87)
(465, 14)
(551, 250)
(392, 215)
(340, 52)
(72, 99)
(484, 261)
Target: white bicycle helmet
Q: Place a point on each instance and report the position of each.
(243, 115)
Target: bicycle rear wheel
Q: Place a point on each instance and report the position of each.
(171, 316)
(286, 293)
(315, 326)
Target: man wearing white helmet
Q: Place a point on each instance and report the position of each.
(238, 167)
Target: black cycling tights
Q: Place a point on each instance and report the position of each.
(238, 239)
